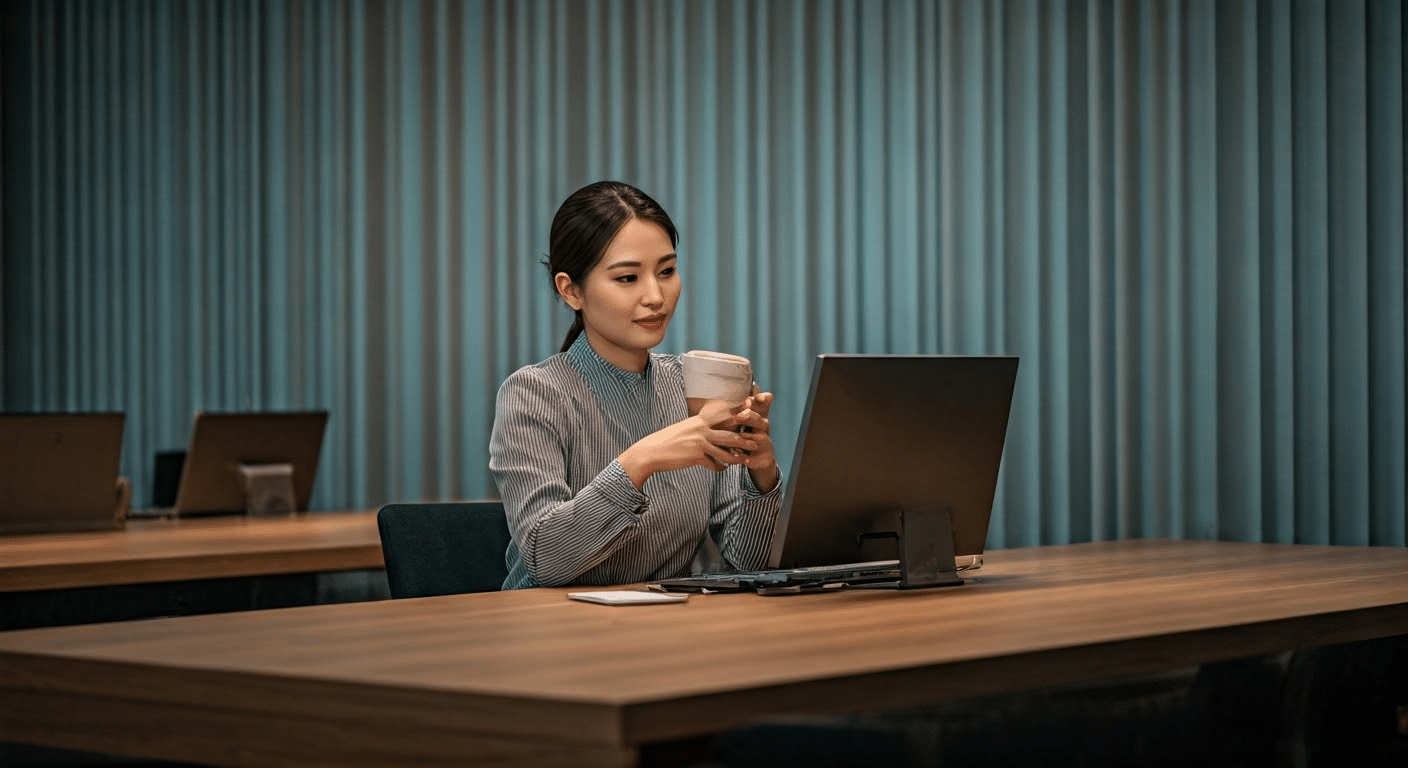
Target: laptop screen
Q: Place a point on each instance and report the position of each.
(59, 471)
(221, 442)
(884, 432)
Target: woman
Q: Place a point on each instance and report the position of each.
(605, 477)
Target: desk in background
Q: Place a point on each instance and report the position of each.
(179, 567)
(532, 678)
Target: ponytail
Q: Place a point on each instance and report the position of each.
(573, 332)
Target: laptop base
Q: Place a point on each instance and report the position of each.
(926, 560)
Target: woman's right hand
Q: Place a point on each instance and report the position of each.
(698, 441)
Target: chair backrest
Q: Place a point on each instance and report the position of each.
(443, 548)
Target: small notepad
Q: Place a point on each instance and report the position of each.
(627, 597)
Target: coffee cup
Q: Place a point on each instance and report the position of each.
(715, 376)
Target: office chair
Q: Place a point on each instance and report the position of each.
(443, 548)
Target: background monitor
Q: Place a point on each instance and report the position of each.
(883, 432)
(58, 472)
(220, 442)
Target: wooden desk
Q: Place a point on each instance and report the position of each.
(179, 567)
(532, 678)
(200, 548)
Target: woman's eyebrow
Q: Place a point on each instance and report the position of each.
(632, 263)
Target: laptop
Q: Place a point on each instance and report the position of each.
(59, 472)
(211, 482)
(890, 446)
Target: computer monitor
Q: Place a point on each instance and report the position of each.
(885, 433)
(212, 480)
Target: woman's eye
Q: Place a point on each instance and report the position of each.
(667, 271)
(626, 279)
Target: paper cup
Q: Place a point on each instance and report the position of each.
(715, 376)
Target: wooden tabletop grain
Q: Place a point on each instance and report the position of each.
(531, 677)
(196, 548)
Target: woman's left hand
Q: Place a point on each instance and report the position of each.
(762, 461)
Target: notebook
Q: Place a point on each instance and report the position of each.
(59, 472)
(883, 437)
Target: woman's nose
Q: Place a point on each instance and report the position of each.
(654, 294)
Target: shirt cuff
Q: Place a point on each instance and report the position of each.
(615, 486)
(750, 489)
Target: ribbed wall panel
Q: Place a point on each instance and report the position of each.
(1186, 217)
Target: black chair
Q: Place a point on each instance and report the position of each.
(443, 548)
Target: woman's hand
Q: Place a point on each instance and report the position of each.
(705, 440)
(761, 461)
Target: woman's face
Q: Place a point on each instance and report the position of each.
(628, 298)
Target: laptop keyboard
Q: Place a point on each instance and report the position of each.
(880, 570)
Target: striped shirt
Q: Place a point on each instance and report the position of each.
(574, 514)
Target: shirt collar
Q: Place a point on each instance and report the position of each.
(596, 367)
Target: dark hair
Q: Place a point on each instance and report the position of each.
(587, 222)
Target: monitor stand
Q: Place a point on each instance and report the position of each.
(268, 490)
(926, 547)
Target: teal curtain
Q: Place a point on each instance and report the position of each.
(1186, 217)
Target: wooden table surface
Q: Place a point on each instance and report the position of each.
(532, 678)
(196, 548)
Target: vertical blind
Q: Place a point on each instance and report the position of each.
(1187, 217)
